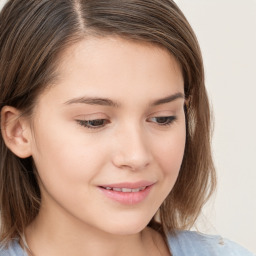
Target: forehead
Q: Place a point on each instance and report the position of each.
(116, 67)
(107, 52)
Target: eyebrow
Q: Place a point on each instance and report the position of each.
(93, 101)
(110, 103)
(168, 99)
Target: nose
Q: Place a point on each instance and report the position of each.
(131, 149)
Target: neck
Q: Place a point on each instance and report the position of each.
(61, 235)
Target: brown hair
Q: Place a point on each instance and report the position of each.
(34, 33)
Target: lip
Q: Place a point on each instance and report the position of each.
(127, 198)
(131, 185)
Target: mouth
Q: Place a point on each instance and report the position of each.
(126, 190)
(127, 193)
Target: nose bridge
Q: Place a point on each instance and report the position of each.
(132, 147)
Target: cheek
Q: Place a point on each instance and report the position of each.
(66, 166)
(171, 151)
(168, 155)
(62, 156)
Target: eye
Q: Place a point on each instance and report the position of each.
(163, 120)
(93, 124)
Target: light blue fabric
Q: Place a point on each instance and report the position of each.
(14, 249)
(188, 243)
(185, 243)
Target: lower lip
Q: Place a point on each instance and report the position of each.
(128, 198)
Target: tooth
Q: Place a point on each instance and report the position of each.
(117, 189)
(126, 190)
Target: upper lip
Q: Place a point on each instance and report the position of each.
(131, 185)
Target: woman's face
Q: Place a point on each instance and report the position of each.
(109, 135)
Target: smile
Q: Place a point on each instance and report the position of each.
(127, 193)
(125, 190)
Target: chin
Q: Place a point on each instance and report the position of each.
(127, 227)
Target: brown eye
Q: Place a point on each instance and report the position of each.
(163, 120)
(93, 124)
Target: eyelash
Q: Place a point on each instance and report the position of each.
(164, 120)
(100, 123)
(89, 123)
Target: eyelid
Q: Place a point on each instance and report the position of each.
(166, 120)
(92, 116)
(171, 115)
(89, 123)
(93, 121)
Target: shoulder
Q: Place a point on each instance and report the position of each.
(189, 243)
(13, 249)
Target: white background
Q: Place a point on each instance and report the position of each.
(226, 30)
(227, 34)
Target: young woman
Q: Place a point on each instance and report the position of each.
(105, 130)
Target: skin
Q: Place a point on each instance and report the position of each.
(129, 144)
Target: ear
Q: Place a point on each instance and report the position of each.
(16, 131)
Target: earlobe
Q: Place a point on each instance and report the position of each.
(16, 132)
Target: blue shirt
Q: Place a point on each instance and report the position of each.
(185, 243)
(188, 243)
